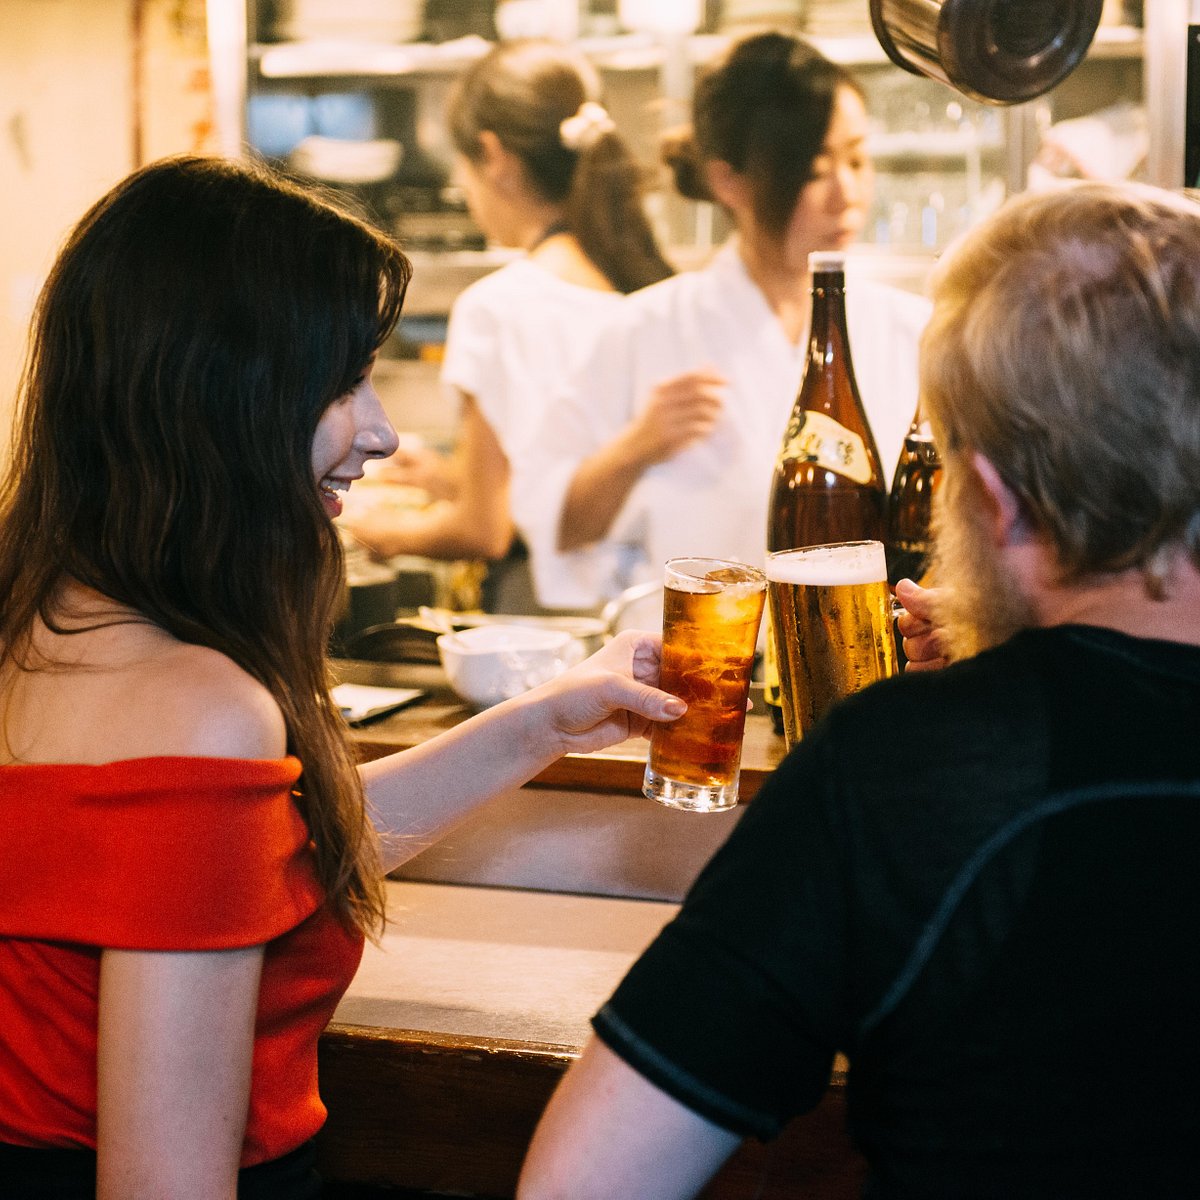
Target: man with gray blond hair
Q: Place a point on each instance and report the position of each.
(981, 884)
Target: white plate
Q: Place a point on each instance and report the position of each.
(359, 702)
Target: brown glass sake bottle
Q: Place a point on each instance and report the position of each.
(909, 539)
(828, 485)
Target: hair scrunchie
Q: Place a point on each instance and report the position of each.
(586, 127)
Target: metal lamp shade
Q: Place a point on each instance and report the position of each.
(996, 51)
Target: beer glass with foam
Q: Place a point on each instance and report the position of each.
(832, 620)
(711, 612)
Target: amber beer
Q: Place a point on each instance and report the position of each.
(832, 618)
(711, 612)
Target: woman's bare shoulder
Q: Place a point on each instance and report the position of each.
(211, 706)
(158, 700)
(129, 689)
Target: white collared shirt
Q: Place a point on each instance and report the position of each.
(510, 342)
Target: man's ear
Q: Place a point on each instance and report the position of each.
(1004, 516)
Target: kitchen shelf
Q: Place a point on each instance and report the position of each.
(884, 146)
(351, 59)
(622, 52)
(942, 161)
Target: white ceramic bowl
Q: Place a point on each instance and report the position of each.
(491, 663)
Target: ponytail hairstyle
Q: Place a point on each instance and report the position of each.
(538, 98)
(764, 109)
(197, 323)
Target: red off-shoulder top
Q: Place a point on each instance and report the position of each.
(158, 854)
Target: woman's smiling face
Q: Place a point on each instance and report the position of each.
(353, 429)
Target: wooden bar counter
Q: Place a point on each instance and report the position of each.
(501, 944)
(457, 1028)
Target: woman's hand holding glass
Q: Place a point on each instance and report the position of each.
(611, 696)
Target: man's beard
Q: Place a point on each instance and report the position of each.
(981, 605)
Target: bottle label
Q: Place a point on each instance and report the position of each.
(818, 438)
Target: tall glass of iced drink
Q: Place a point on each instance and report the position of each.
(711, 611)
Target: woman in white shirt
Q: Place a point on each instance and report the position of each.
(544, 169)
(666, 439)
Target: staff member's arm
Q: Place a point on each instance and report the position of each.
(610, 1134)
(680, 411)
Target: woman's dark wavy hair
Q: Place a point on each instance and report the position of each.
(522, 91)
(764, 109)
(195, 326)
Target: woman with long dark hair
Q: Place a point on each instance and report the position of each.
(190, 866)
(546, 171)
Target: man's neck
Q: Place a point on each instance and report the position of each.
(1127, 603)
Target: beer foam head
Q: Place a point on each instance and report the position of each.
(824, 566)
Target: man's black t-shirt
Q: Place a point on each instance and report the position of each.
(983, 886)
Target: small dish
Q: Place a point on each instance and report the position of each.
(361, 704)
(491, 663)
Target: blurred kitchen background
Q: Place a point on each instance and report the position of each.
(351, 92)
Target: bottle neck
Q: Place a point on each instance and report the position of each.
(828, 311)
(919, 440)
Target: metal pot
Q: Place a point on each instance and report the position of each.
(370, 597)
(997, 51)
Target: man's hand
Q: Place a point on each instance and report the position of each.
(923, 641)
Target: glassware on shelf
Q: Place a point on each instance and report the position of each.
(746, 16)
